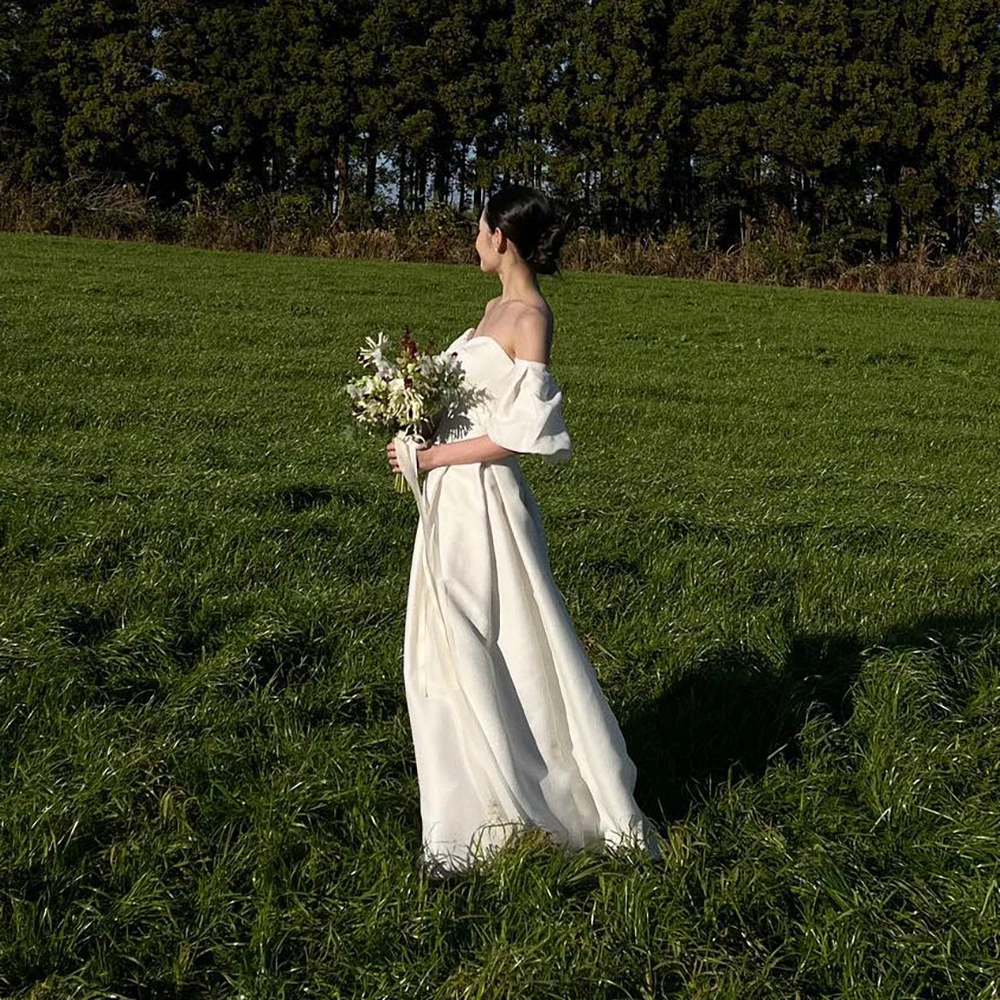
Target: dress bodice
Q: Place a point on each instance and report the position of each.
(517, 401)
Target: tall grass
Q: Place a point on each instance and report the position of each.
(777, 538)
(772, 251)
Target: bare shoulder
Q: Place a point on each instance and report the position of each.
(532, 329)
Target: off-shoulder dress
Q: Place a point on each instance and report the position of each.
(509, 723)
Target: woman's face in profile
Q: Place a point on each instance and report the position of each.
(489, 259)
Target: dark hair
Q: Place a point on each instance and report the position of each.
(529, 218)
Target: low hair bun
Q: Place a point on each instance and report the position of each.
(545, 257)
(530, 220)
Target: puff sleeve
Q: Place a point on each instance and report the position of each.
(527, 414)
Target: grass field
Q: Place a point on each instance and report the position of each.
(779, 538)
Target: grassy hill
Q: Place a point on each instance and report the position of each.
(779, 538)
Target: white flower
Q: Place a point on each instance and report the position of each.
(374, 351)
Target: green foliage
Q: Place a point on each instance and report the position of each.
(358, 212)
(298, 214)
(870, 122)
(441, 221)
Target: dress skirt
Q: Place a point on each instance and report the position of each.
(510, 726)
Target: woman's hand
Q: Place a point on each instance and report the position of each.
(424, 456)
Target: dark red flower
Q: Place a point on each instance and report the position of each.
(409, 344)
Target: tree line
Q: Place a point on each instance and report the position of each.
(872, 122)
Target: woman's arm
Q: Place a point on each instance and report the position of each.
(477, 449)
(430, 456)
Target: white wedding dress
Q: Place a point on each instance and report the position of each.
(510, 725)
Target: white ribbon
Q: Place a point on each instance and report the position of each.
(483, 756)
(406, 456)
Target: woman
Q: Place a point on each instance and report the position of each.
(510, 726)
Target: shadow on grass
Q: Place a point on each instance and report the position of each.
(735, 710)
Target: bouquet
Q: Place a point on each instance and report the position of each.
(406, 395)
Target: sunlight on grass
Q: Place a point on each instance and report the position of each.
(778, 540)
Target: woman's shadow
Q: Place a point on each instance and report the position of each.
(735, 710)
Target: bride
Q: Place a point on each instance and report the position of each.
(510, 726)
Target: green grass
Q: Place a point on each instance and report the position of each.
(778, 538)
